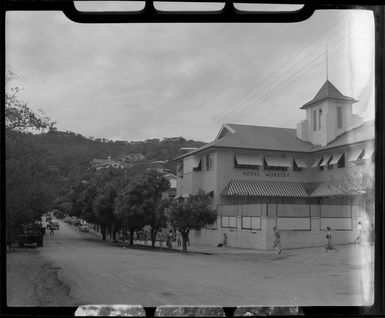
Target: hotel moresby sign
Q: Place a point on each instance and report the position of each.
(274, 174)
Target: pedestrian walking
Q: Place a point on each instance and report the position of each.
(51, 229)
(277, 241)
(330, 244)
(359, 234)
(179, 238)
(169, 239)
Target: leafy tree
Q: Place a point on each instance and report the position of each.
(128, 209)
(147, 191)
(28, 191)
(18, 115)
(103, 206)
(192, 213)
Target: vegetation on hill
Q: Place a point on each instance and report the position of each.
(71, 153)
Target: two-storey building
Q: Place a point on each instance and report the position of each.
(300, 180)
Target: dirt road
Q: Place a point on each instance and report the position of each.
(91, 271)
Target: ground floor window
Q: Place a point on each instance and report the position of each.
(229, 221)
(251, 222)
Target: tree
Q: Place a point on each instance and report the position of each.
(103, 206)
(28, 192)
(127, 210)
(147, 190)
(193, 212)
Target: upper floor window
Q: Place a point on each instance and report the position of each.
(295, 166)
(341, 162)
(319, 118)
(314, 120)
(179, 169)
(209, 162)
(339, 117)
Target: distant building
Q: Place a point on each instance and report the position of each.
(136, 142)
(109, 163)
(298, 180)
(154, 140)
(133, 157)
(121, 142)
(173, 139)
(171, 193)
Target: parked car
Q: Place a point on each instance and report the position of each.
(30, 234)
(84, 228)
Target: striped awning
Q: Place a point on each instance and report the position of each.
(368, 153)
(256, 188)
(336, 158)
(249, 160)
(300, 163)
(333, 188)
(355, 154)
(325, 160)
(278, 161)
(316, 162)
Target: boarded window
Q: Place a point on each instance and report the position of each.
(229, 221)
(293, 210)
(251, 223)
(293, 224)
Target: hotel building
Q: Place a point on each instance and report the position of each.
(301, 180)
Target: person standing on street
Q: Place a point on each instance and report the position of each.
(277, 241)
(359, 234)
(330, 244)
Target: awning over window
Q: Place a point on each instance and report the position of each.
(316, 162)
(336, 158)
(325, 160)
(300, 163)
(368, 154)
(356, 153)
(278, 161)
(249, 160)
(325, 189)
(195, 162)
(256, 188)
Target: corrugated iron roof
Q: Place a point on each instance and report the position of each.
(328, 90)
(257, 188)
(333, 188)
(282, 139)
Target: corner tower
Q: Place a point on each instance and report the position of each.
(328, 115)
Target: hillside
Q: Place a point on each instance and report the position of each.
(71, 153)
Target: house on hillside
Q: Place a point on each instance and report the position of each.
(299, 180)
(171, 193)
(108, 163)
(173, 139)
(133, 157)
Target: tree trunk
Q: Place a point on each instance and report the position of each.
(184, 241)
(153, 236)
(131, 237)
(103, 228)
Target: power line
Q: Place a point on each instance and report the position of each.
(289, 60)
(289, 81)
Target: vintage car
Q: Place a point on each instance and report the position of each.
(30, 234)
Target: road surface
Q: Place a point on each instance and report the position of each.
(97, 272)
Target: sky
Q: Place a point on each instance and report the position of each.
(140, 81)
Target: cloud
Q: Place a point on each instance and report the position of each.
(139, 81)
